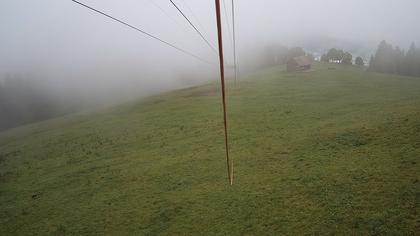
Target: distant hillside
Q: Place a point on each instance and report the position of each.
(331, 151)
(322, 44)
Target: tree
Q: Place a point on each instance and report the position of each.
(274, 55)
(347, 58)
(23, 101)
(417, 62)
(399, 56)
(324, 58)
(295, 52)
(310, 56)
(410, 60)
(333, 54)
(388, 59)
(338, 56)
(371, 63)
(384, 59)
(359, 61)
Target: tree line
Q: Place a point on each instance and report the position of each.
(389, 59)
(24, 101)
(279, 55)
(341, 57)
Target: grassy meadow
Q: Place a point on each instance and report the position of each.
(335, 150)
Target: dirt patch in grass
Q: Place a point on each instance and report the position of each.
(345, 139)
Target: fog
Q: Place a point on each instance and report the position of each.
(77, 53)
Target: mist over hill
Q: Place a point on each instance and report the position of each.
(83, 60)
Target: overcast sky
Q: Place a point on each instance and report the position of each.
(60, 40)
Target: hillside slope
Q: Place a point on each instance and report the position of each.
(331, 151)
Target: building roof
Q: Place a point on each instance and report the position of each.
(302, 60)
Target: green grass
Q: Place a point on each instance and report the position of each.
(331, 151)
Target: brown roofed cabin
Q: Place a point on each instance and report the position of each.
(300, 63)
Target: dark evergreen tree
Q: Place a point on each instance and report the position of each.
(384, 60)
(359, 61)
(371, 63)
(417, 63)
(399, 61)
(410, 60)
(394, 60)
